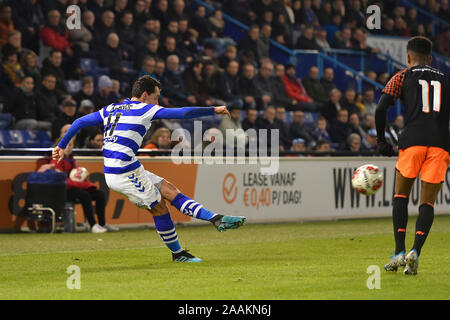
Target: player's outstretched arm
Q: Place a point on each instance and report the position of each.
(85, 121)
(190, 112)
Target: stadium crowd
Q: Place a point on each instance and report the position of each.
(186, 48)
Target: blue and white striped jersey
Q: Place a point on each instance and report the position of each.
(125, 125)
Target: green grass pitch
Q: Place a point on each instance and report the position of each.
(323, 260)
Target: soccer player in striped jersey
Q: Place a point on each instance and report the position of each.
(125, 125)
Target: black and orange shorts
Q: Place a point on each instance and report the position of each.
(430, 162)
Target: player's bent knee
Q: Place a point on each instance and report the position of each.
(168, 190)
(159, 209)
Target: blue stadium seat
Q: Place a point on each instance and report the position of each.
(310, 117)
(5, 121)
(25, 139)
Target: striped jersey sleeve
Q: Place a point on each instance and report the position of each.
(394, 86)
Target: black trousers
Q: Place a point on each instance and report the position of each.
(86, 197)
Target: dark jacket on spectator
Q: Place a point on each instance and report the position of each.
(48, 101)
(339, 132)
(110, 58)
(58, 72)
(23, 105)
(300, 131)
(307, 44)
(280, 93)
(174, 86)
(315, 90)
(330, 111)
(194, 86)
(327, 85)
(285, 139)
(62, 120)
(249, 88)
(228, 87)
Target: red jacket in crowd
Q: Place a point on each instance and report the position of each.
(295, 90)
(52, 38)
(66, 165)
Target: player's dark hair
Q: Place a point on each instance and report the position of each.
(420, 45)
(145, 84)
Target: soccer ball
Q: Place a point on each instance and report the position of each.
(367, 179)
(78, 174)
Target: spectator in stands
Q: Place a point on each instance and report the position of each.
(323, 146)
(28, 19)
(82, 138)
(313, 86)
(209, 53)
(139, 13)
(340, 129)
(148, 66)
(95, 141)
(6, 84)
(307, 40)
(370, 141)
(332, 107)
(97, 7)
(348, 101)
(178, 10)
(383, 78)
(150, 27)
(280, 124)
(149, 50)
(249, 121)
(23, 105)
(52, 65)
(353, 143)
(267, 121)
(343, 39)
(160, 67)
(127, 35)
(85, 192)
(169, 48)
(30, 66)
(298, 129)
(395, 129)
(55, 35)
(12, 67)
(327, 80)
(101, 99)
(200, 23)
(369, 100)
(111, 57)
(160, 139)
(209, 83)
(332, 28)
(228, 85)
(14, 43)
(83, 36)
(359, 103)
(368, 122)
(115, 96)
(48, 98)
(193, 81)
(250, 93)
(263, 44)
(172, 30)
(353, 122)
(6, 23)
(103, 29)
(295, 90)
(217, 23)
(279, 90)
(250, 41)
(355, 14)
(320, 132)
(321, 39)
(281, 31)
(443, 43)
(265, 84)
(230, 54)
(298, 145)
(118, 8)
(359, 42)
(86, 92)
(233, 123)
(307, 16)
(68, 116)
(173, 84)
(161, 12)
